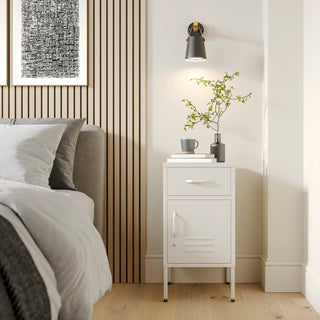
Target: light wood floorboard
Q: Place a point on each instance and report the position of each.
(200, 302)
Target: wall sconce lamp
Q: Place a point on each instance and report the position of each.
(195, 43)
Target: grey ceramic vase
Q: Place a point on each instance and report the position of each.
(218, 148)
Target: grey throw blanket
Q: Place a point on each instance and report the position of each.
(23, 294)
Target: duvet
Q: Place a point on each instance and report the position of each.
(65, 247)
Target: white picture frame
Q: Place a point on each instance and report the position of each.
(26, 69)
(3, 43)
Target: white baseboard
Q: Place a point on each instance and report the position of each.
(247, 271)
(311, 288)
(281, 275)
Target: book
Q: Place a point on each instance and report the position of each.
(208, 160)
(192, 156)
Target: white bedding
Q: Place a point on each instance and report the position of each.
(62, 229)
(82, 200)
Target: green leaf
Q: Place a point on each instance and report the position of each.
(222, 99)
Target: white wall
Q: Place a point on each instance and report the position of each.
(312, 151)
(283, 211)
(233, 32)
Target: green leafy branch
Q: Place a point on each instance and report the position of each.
(217, 106)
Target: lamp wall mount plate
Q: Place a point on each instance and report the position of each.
(200, 26)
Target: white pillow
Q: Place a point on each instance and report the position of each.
(27, 152)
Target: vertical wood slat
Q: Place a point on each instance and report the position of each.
(136, 155)
(44, 103)
(71, 99)
(110, 184)
(97, 63)
(130, 141)
(143, 164)
(104, 96)
(12, 112)
(84, 102)
(25, 102)
(11, 100)
(52, 100)
(90, 87)
(5, 100)
(59, 102)
(19, 102)
(123, 139)
(114, 99)
(38, 102)
(77, 102)
(116, 138)
(65, 102)
(31, 106)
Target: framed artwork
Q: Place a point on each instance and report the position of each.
(49, 42)
(3, 43)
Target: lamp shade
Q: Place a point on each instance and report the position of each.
(195, 48)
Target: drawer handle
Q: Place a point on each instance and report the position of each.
(196, 181)
(174, 224)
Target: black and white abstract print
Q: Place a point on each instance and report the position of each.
(50, 38)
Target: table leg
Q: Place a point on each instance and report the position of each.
(233, 283)
(165, 284)
(227, 275)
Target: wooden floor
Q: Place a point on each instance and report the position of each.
(200, 302)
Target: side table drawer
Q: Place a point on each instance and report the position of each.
(199, 181)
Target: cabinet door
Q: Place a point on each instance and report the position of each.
(199, 231)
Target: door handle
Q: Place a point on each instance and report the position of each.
(196, 181)
(174, 215)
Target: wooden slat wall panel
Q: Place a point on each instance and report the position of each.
(114, 100)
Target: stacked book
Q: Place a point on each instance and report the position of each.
(192, 157)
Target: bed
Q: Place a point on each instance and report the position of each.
(53, 263)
